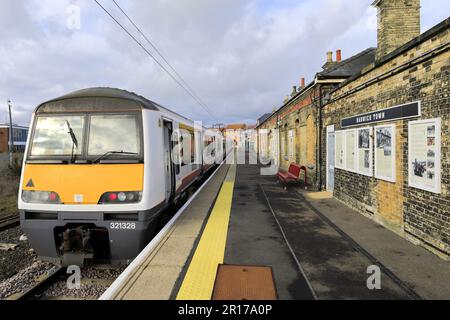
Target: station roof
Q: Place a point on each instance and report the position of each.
(351, 66)
(264, 117)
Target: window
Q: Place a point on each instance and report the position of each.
(113, 133)
(187, 143)
(291, 145)
(51, 137)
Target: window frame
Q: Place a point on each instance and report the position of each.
(65, 157)
(139, 127)
(84, 157)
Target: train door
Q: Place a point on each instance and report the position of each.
(169, 166)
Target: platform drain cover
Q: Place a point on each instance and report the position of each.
(244, 283)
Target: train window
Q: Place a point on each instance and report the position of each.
(113, 133)
(51, 137)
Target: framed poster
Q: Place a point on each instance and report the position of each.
(340, 149)
(350, 150)
(424, 154)
(385, 152)
(364, 151)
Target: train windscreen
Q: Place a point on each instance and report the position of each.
(90, 137)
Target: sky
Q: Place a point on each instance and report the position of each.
(241, 57)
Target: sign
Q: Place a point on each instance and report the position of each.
(404, 111)
(340, 149)
(364, 151)
(385, 152)
(424, 154)
(350, 150)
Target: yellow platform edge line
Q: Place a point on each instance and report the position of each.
(198, 283)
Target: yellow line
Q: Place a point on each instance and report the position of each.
(198, 283)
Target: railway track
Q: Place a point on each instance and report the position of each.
(8, 222)
(41, 284)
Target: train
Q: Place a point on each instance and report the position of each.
(100, 167)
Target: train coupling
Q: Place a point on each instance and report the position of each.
(76, 247)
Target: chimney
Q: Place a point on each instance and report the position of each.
(398, 23)
(302, 83)
(294, 91)
(330, 61)
(329, 57)
(338, 55)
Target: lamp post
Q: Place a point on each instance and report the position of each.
(11, 141)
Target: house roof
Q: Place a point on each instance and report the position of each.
(15, 126)
(350, 66)
(236, 126)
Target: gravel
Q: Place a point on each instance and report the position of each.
(20, 269)
(94, 281)
(11, 262)
(25, 279)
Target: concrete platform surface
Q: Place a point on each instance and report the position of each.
(157, 277)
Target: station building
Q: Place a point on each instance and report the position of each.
(20, 135)
(374, 129)
(291, 133)
(386, 130)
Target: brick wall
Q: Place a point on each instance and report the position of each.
(411, 212)
(4, 140)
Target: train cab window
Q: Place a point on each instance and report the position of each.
(114, 133)
(51, 137)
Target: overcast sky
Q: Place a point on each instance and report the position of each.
(240, 56)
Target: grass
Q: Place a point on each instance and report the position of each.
(9, 186)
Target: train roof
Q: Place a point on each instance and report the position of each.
(95, 97)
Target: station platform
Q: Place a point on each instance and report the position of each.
(245, 237)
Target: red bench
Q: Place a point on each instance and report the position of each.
(292, 174)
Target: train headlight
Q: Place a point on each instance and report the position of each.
(121, 197)
(40, 197)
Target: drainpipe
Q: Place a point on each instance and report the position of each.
(319, 158)
(279, 140)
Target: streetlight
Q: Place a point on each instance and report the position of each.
(11, 141)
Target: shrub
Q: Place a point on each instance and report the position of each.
(16, 167)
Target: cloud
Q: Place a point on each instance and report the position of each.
(241, 56)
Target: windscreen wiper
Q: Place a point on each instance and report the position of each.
(74, 140)
(107, 154)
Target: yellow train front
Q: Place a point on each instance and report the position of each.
(97, 173)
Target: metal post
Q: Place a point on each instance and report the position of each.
(11, 140)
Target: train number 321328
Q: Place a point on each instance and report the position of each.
(123, 225)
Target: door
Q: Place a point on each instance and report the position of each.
(330, 159)
(168, 163)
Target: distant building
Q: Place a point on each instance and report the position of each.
(236, 133)
(20, 134)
